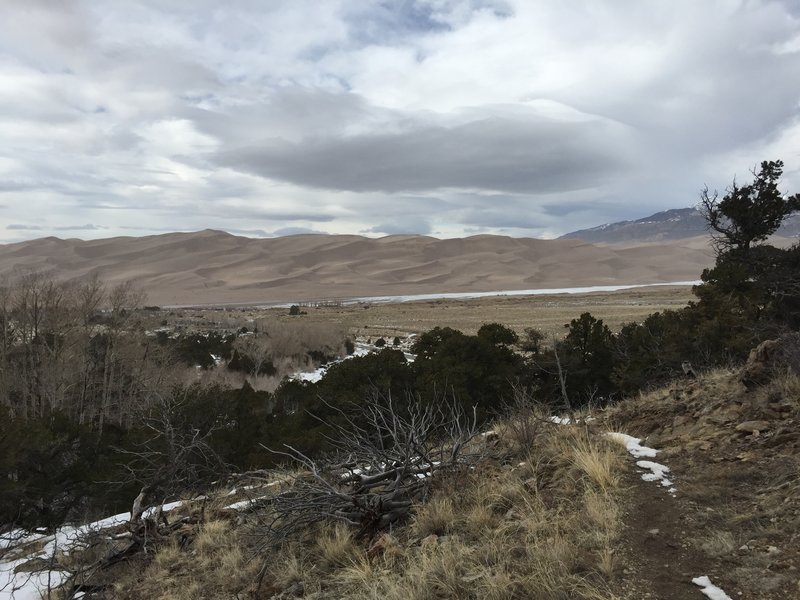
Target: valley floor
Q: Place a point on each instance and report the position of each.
(547, 312)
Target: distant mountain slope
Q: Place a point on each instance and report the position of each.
(675, 224)
(209, 267)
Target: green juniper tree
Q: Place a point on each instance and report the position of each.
(748, 214)
(753, 280)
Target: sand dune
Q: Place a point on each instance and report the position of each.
(210, 267)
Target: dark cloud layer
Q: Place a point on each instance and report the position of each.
(511, 154)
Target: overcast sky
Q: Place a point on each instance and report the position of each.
(440, 117)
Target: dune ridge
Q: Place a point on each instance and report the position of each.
(214, 267)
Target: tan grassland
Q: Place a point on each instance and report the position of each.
(548, 527)
(547, 313)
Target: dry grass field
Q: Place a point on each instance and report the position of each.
(547, 313)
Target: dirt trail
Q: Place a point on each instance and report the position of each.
(734, 457)
(661, 562)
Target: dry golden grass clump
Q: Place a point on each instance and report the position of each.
(543, 527)
(598, 462)
(215, 564)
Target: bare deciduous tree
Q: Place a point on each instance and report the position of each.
(172, 457)
(257, 349)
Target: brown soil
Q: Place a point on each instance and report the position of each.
(660, 562)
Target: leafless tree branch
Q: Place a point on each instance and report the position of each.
(383, 462)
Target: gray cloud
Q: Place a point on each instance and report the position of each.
(512, 154)
(86, 227)
(295, 231)
(272, 216)
(22, 227)
(249, 232)
(402, 225)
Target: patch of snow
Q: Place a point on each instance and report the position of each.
(529, 292)
(633, 445)
(569, 420)
(27, 586)
(709, 589)
(245, 488)
(243, 504)
(312, 376)
(32, 586)
(348, 474)
(18, 537)
(165, 508)
(468, 295)
(318, 373)
(658, 472)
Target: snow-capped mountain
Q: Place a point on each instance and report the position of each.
(674, 224)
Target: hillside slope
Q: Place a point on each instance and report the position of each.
(216, 267)
(706, 494)
(734, 456)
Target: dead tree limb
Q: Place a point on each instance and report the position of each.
(385, 459)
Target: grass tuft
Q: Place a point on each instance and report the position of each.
(599, 463)
(437, 517)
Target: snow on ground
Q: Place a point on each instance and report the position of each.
(318, 373)
(529, 292)
(247, 488)
(657, 472)
(18, 537)
(633, 444)
(469, 295)
(26, 586)
(31, 586)
(360, 350)
(560, 420)
(709, 589)
(244, 504)
(569, 420)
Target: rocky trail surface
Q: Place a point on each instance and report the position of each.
(734, 459)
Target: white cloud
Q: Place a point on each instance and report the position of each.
(441, 116)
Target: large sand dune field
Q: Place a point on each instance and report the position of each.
(213, 267)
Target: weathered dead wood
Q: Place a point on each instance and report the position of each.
(385, 460)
